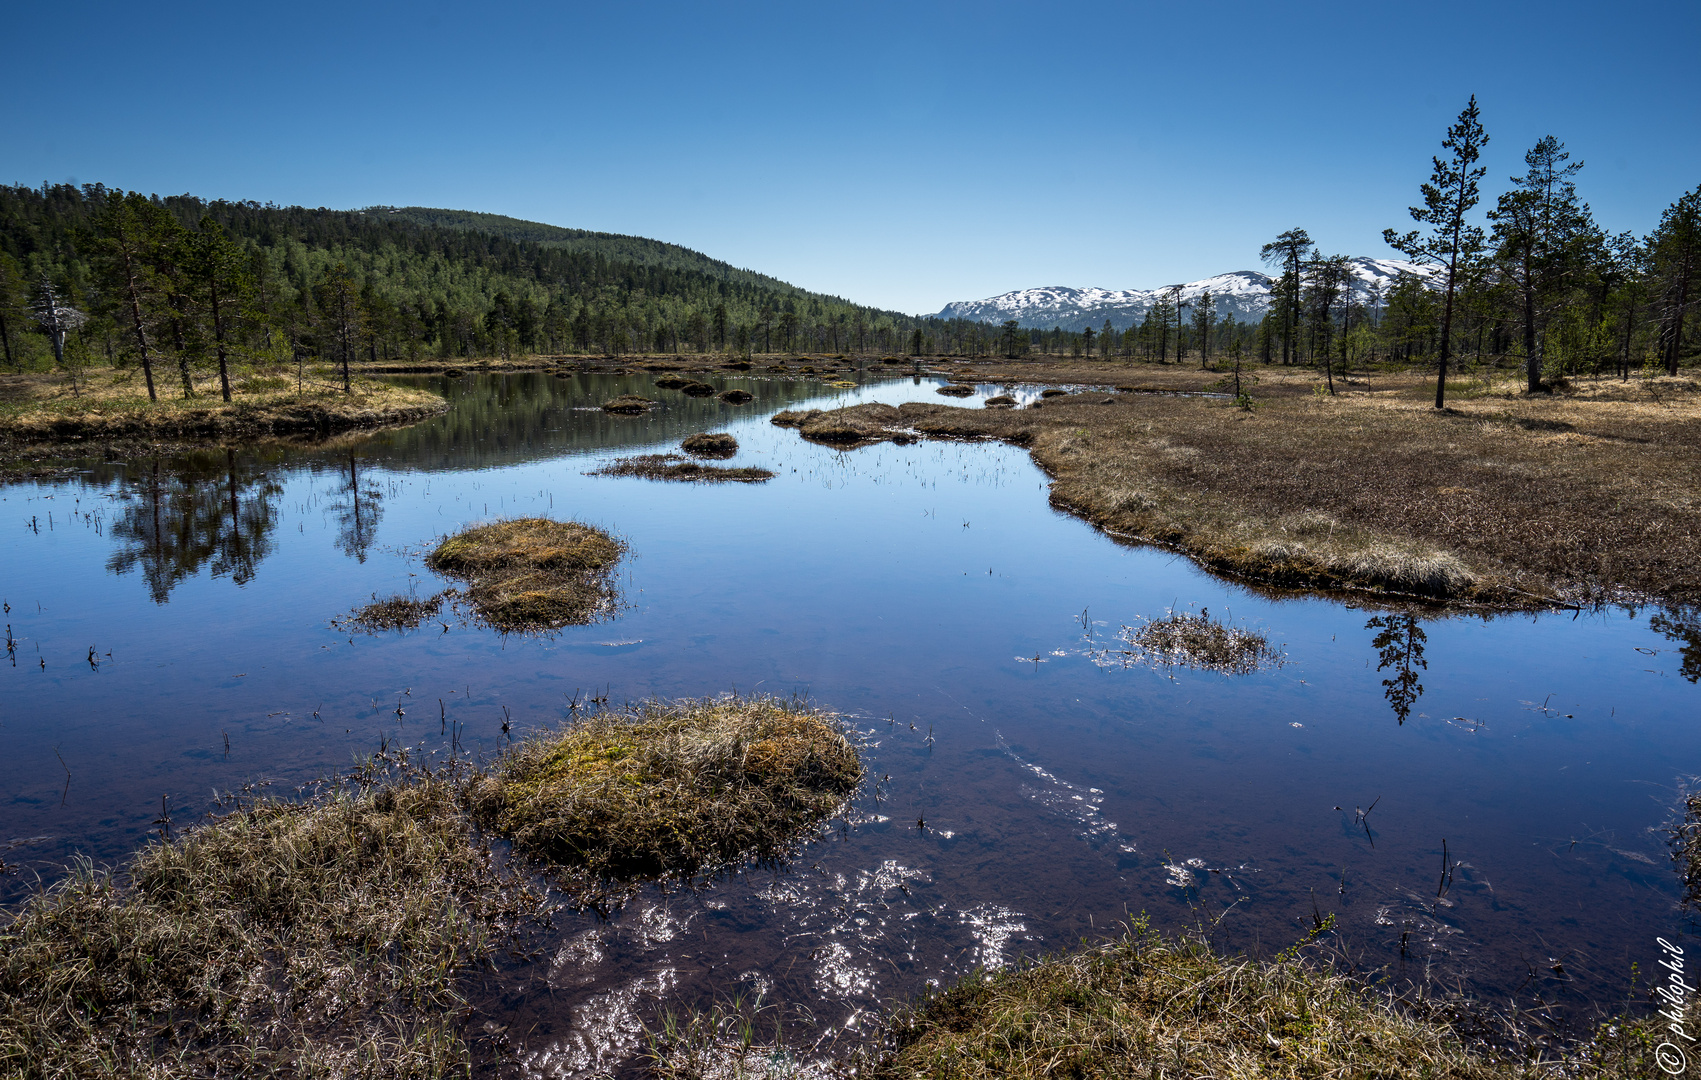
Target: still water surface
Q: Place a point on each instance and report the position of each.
(1031, 794)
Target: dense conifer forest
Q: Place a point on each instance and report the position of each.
(184, 283)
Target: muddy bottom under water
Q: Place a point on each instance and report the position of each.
(173, 637)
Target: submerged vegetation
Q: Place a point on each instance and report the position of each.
(532, 573)
(1185, 639)
(1146, 1005)
(321, 939)
(391, 613)
(672, 788)
(678, 467)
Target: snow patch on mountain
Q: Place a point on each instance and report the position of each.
(1245, 294)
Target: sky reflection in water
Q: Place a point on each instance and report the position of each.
(159, 607)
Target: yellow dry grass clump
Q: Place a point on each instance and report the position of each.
(1146, 1006)
(672, 788)
(320, 940)
(532, 573)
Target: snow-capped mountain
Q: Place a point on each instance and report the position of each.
(1244, 293)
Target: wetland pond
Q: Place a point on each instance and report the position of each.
(172, 628)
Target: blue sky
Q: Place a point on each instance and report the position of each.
(902, 155)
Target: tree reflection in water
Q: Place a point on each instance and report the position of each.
(1683, 626)
(204, 511)
(1399, 645)
(358, 508)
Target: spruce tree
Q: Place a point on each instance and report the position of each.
(1449, 242)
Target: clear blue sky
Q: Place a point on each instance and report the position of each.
(903, 155)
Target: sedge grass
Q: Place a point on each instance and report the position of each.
(1146, 1005)
(671, 788)
(533, 573)
(676, 467)
(321, 939)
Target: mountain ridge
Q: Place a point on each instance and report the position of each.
(1243, 293)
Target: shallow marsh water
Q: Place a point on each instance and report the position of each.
(1033, 790)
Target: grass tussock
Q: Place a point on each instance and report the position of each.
(391, 613)
(532, 573)
(677, 467)
(1146, 1006)
(736, 397)
(955, 390)
(1186, 639)
(672, 788)
(318, 940)
(697, 389)
(114, 405)
(710, 444)
(627, 404)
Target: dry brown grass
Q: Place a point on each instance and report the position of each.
(533, 573)
(391, 613)
(319, 940)
(1186, 639)
(630, 404)
(1146, 1006)
(677, 467)
(113, 405)
(672, 788)
(1502, 499)
(715, 444)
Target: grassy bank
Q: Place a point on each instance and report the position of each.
(532, 573)
(317, 939)
(112, 406)
(1583, 495)
(672, 788)
(1146, 1006)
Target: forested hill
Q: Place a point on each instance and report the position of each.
(633, 249)
(429, 282)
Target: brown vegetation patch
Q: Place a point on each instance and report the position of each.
(710, 444)
(114, 406)
(1185, 639)
(1146, 1006)
(698, 389)
(1001, 401)
(533, 573)
(676, 467)
(391, 613)
(629, 404)
(736, 397)
(1685, 840)
(672, 382)
(955, 390)
(672, 788)
(319, 940)
(1348, 492)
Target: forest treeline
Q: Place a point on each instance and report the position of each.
(181, 285)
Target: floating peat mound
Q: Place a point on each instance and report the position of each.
(323, 938)
(532, 573)
(697, 389)
(671, 788)
(736, 397)
(955, 390)
(1183, 639)
(678, 467)
(627, 404)
(671, 382)
(391, 613)
(1002, 401)
(854, 425)
(710, 444)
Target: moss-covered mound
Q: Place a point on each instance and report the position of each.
(736, 397)
(955, 390)
(710, 444)
(1148, 1006)
(672, 788)
(697, 389)
(627, 404)
(532, 573)
(315, 940)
